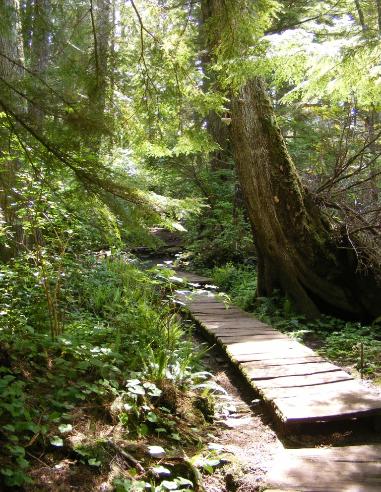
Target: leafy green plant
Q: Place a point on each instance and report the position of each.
(119, 341)
(239, 281)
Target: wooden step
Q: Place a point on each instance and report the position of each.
(344, 469)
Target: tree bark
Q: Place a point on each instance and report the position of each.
(297, 252)
(378, 5)
(370, 119)
(11, 73)
(100, 11)
(360, 14)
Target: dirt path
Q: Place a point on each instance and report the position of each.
(242, 427)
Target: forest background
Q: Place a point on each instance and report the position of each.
(116, 117)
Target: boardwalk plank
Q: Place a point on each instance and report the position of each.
(342, 403)
(284, 362)
(286, 355)
(255, 372)
(252, 337)
(234, 324)
(347, 469)
(236, 328)
(331, 390)
(194, 278)
(232, 332)
(275, 347)
(304, 380)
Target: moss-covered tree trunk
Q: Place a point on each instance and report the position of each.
(298, 251)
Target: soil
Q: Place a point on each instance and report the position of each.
(242, 428)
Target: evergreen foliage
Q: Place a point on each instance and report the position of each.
(115, 118)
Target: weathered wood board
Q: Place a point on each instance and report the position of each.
(275, 347)
(323, 407)
(344, 469)
(256, 372)
(303, 381)
(331, 390)
(300, 386)
(194, 278)
(285, 361)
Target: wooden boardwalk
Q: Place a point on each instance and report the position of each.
(300, 386)
(344, 469)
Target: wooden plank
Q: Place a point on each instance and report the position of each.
(357, 454)
(236, 323)
(214, 304)
(223, 317)
(223, 332)
(223, 310)
(304, 380)
(256, 338)
(214, 317)
(346, 469)
(269, 372)
(246, 323)
(266, 361)
(233, 326)
(330, 389)
(275, 347)
(290, 354)
(211, 304)
(192, 277)
(341, 404)
(248, 337)
(216, 312)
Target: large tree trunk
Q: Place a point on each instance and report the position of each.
(11, 72)
(297, 249)
(100, 11)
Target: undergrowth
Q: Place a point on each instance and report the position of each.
(349, 344)
(123, 357)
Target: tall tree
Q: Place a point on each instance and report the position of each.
(39, 49)
(298, 250)
(319, 265)
(11, 73)
(100, 13)
(219, 131)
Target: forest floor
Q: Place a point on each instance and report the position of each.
(244, 439)
(242, 428)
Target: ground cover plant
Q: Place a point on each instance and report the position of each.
(253, 129)
(122, 361)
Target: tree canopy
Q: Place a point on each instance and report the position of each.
(252, 128)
